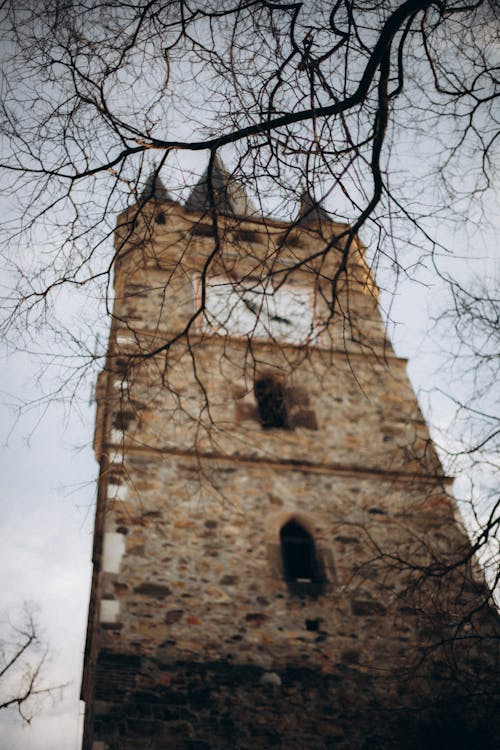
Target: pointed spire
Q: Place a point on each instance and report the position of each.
(311, 211)
(230, 196)
(154, 188)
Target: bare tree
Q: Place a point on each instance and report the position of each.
(326, 99)
(320, 97)
(23, 655)
(471, 322)
(384, 111)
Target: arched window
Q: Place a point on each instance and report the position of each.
(298, 554)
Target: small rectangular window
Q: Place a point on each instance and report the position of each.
(202, 230)
(271, 403)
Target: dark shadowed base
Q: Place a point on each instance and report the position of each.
(141, 705)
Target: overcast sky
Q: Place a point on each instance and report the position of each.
(46, 515)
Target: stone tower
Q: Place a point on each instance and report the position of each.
(277, 560)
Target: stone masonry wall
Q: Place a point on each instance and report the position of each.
(216, 706)
(199, 642)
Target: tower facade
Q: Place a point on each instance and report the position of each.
(277, 558)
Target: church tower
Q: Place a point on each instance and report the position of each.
(277, 558)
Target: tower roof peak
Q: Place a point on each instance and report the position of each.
(154, 188)
(311, 211)
(229, 195)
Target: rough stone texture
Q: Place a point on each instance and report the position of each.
(196, 640)
(215, 706)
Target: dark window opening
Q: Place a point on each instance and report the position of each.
(202, 230)
(312, 625)
(280, 405)
(160, 218)
(293, 238)
(298, 554)
(271, 403)
(302, 568)
(246, 235)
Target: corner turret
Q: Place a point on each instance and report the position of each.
(229, 195)
(311, 211)
(154, 188)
